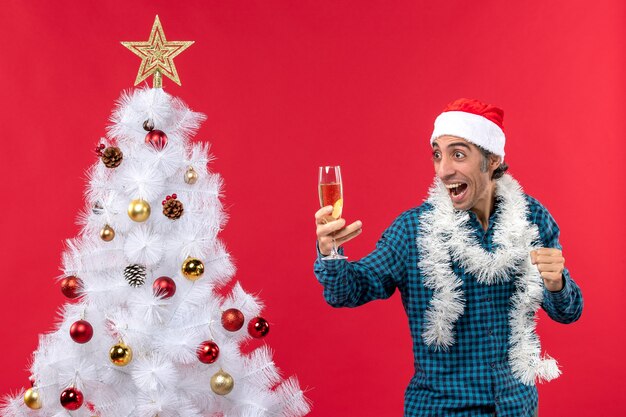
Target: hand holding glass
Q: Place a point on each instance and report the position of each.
(331, 194)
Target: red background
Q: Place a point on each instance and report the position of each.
(290, 85)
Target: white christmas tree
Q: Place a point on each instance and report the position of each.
(148, 333)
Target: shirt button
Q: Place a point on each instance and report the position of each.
(493, 365)
(488, 299)
(490, 332)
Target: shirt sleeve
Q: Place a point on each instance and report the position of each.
(564, 306)
(376, 276)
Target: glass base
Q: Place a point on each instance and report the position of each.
(333, 257)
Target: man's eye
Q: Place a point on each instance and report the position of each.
(436, 155)
(459, 155)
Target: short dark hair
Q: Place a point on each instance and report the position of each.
(499, 172)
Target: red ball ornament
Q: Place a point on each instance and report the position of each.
(71, 398)
(164, 287)
(208, 352)
(81, 331)
(232, 319)
(258, 327)
(156, 138)
(71, 286)
(99, 149)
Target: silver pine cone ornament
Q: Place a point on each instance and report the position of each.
(135, 275)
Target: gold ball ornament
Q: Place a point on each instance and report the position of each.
(222, 383)
(107, 233)
(32, 399)
(139, 210)
(120, 354)
(191, 176)
(193, 269)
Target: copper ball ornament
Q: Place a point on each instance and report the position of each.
(164, 287)
(81, 331)
(32, 399)
(148, 125)
(191, 176)
(71, 399)
(139, 210)
(107, 233)
(232, 319)
(192, 269)
(156, 138)
(258, 327)
(222, 383)
(208, 352)
(120, 354)
(71, 286)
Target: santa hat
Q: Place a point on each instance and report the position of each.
(473, 121)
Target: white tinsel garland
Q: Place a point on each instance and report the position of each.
(446, 238)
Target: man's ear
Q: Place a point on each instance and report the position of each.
(495, 161)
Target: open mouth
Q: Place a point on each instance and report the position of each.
(457, 191)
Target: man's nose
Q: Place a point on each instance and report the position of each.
(445, 168)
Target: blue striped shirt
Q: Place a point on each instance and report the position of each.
(473, 377)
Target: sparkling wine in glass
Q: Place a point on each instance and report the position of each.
(330, 190)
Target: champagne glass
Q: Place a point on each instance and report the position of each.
(331, 194)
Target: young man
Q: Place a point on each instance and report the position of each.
(473, 264)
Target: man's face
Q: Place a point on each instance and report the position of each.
(458, 161)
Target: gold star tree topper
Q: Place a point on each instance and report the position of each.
(157, 55)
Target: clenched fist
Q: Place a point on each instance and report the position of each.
(550, 263)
